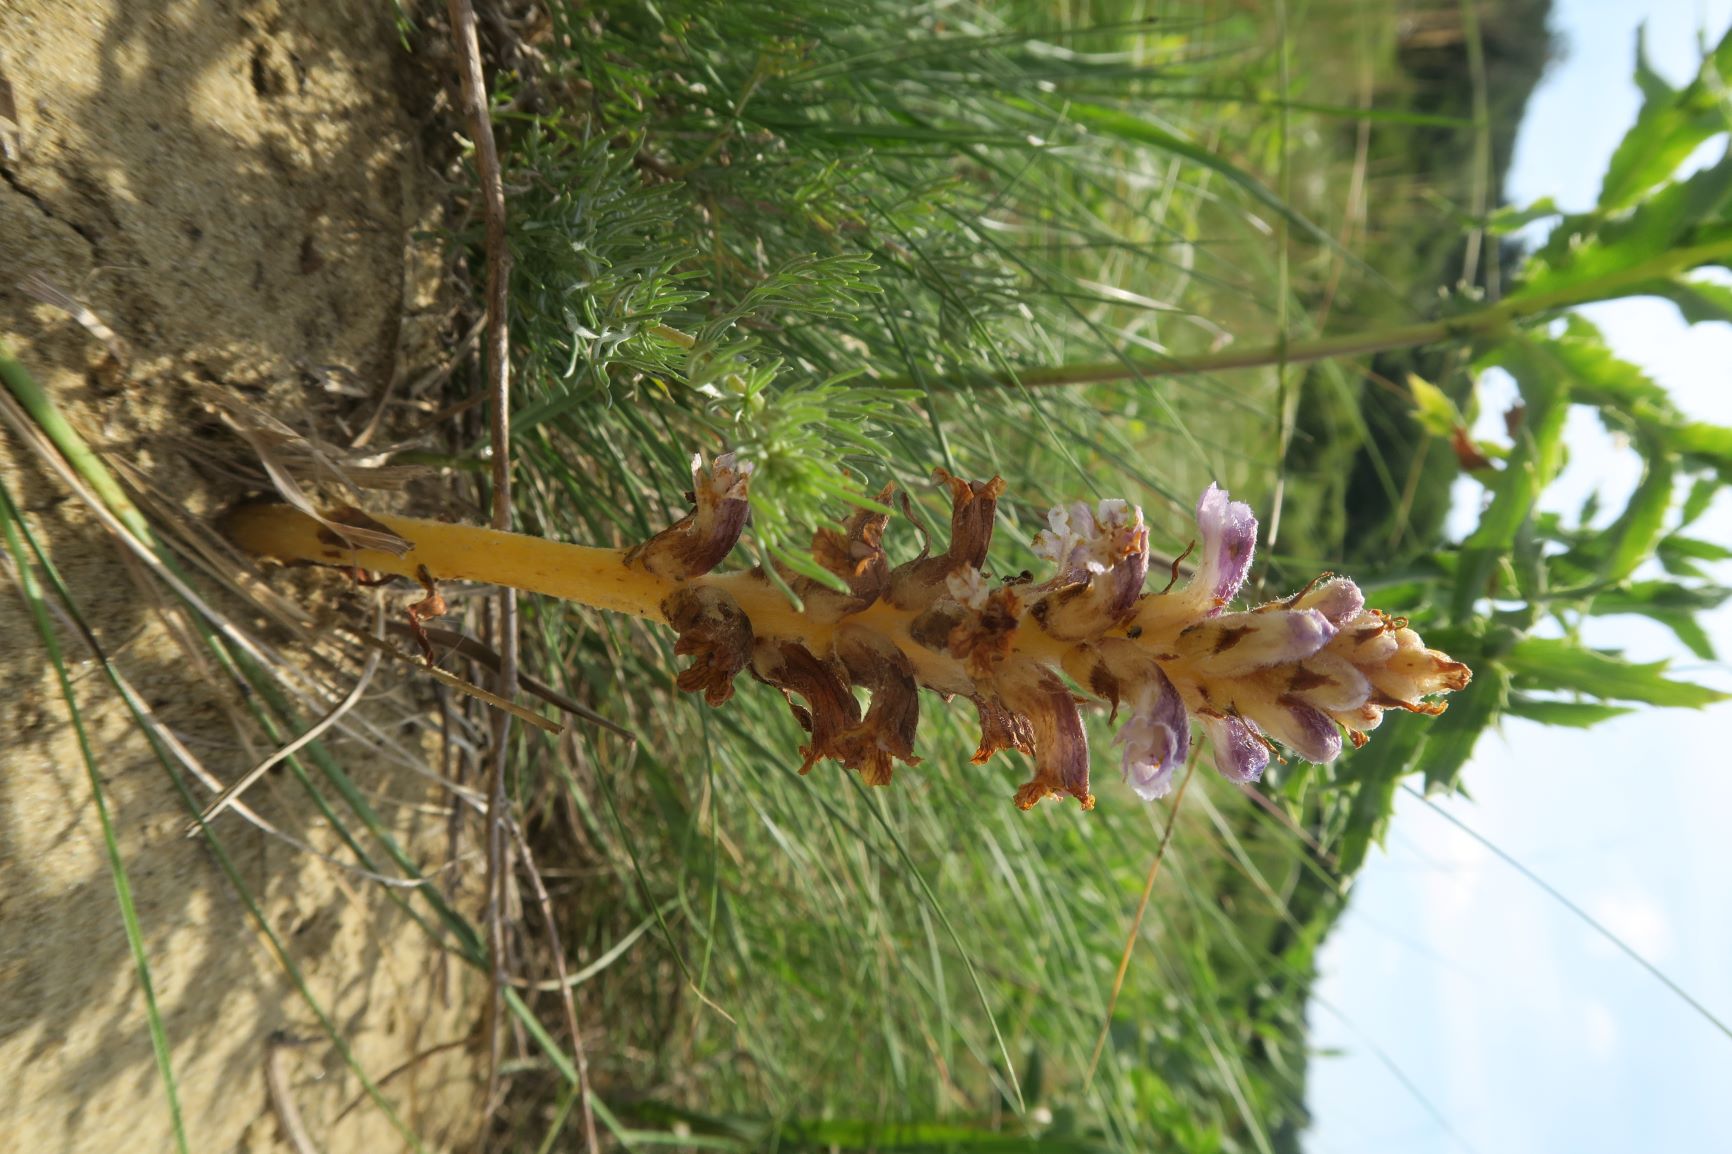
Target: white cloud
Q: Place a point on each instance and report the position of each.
(1637, 919)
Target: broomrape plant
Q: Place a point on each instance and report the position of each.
(1300, 671)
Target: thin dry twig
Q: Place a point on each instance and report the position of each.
(453, 641)
(174, 746)
(455, 682)
(41, 288)
(313, 733)
(309, 693)
(468, 46)
(567, 999)
(282, 1094)
(431, 379)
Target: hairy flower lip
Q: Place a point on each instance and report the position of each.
(1156, 737)
(1229, 531)
(1240, 754)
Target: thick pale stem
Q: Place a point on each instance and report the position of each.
(596, 577)
(599, 578)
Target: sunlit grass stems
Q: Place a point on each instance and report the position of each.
(1309, 671)
(1480, 324)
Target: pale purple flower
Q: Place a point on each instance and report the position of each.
(1310, 733)
(1156, 737)
(1240, 755)
(1338, 599)
(1233, 644)
(1229, 530)
(1067, 542)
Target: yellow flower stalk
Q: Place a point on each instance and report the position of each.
(1303, 671)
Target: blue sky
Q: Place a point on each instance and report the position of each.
(1516, 1024)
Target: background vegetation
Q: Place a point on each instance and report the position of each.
(855, 242)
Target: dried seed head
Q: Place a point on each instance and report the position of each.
(698, 542)
(886, 733)
(1061, 747)
(715, 631)
(856, 555)
(918, 583)
(830, 709)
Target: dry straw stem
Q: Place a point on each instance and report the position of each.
(467, 42)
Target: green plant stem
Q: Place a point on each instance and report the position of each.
(1484, 322)
(72, 446)
(34, 599)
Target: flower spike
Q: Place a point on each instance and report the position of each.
(1311, 673)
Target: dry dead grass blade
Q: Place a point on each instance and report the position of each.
(213, 555)
(312, 733)
(430, 380)
(466, 39)
(285, 455)
(453, 641)
(282, 1095)
(41, 288)
(527, 716)
(567, 1000)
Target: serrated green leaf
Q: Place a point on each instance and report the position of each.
(1535, 460)
(1555, 665)
(1471, 712)
(1634, 535)
(1598, 376)
(1695, 548)
(1572, 714)
(1510, 219)
(1689, 633)
(1668, 596)
(1698, 301)
(1701, 496)
(1588, 248)
(1669, 127)
(1710, 444)
(1373, 774)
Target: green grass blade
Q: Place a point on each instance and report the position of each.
(31, 591)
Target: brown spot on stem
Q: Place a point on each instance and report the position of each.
(1303, 679)
(1228, 637)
